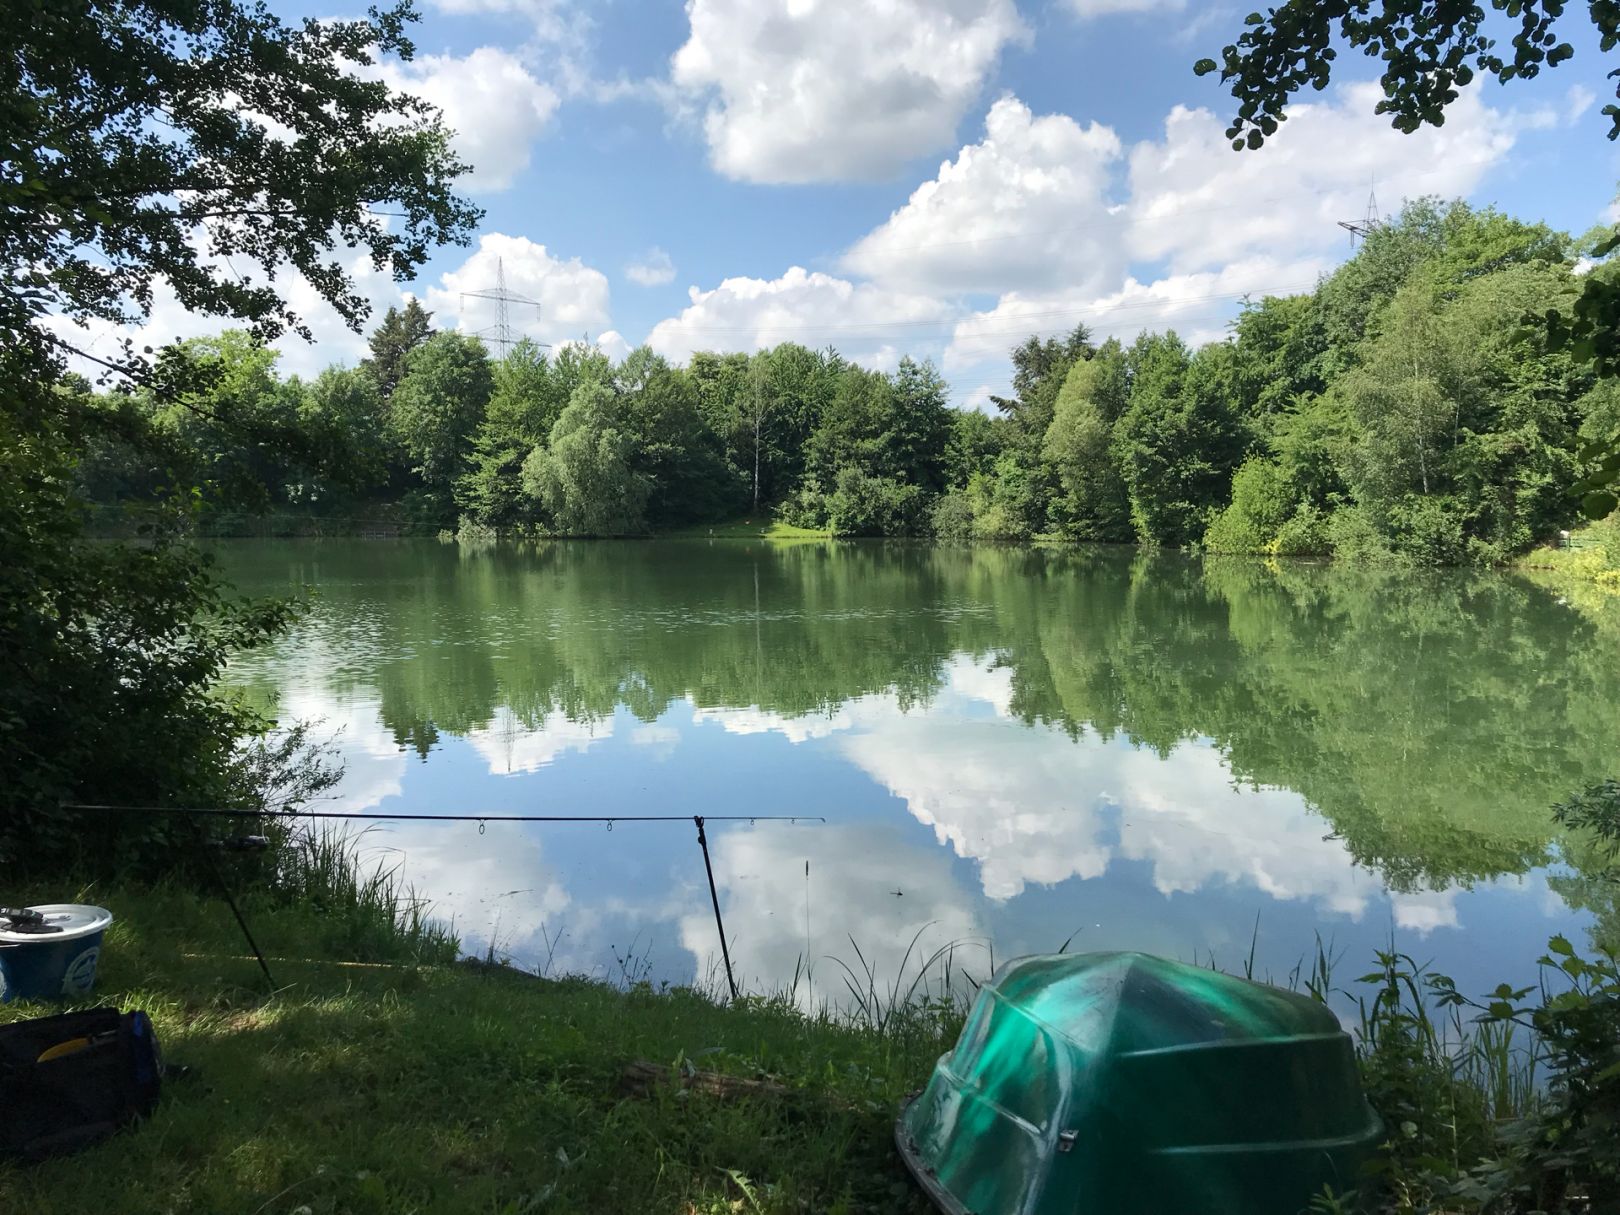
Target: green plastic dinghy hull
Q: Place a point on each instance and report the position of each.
(1124, 1084)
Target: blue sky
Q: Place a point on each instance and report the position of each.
(934, 178)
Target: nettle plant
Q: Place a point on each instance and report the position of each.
(1565, 1154)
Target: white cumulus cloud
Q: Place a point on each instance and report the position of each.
(653, 270)
(1196, 305)
(796, 894)
(1577, 100)
(1027, 204)
(170, 321)
(1199, 205)
(801, 90)
(1424, 911)
(1035, 807)
(1200, 226)
(511, 748)
(496, 108)
(764, 721)
(801, 306)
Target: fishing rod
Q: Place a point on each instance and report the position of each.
(211, 812)
(698, 820)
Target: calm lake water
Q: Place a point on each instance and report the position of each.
(1011, 749)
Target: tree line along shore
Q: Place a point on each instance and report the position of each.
(1404, 410)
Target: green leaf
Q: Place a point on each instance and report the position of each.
(1599, 505)
(1608, 245)
(1560, 945)
(1204, 67)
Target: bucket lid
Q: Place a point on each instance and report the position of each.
(70, 919)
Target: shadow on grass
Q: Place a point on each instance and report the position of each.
(377, 1088)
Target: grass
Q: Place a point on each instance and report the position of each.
(1592, 556)
(400, 1085)
(752, 527)
(382, 1075)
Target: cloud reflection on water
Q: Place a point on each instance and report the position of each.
(1029, 807)
(867, 886)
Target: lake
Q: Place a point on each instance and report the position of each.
(1012, 749)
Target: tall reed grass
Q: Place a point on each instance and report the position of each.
(360, 909)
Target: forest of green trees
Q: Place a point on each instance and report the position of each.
(1406, 409)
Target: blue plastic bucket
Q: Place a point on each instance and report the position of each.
(58, 963)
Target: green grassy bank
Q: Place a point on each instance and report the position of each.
(412, 1085)
(384, 1075)
(1592, 556)
(754, 527)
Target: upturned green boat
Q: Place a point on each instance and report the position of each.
(1124, 1084)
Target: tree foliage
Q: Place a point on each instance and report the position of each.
(1093, 503)
(402, 330)
(1429, 53)
(109, 652)
(1400, 411)
(584, 476)
(203, 150)
(150, 140)
(1179, 440)
(440, 401)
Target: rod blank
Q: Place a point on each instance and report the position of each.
(454, 818)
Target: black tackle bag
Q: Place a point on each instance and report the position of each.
(70, 1080)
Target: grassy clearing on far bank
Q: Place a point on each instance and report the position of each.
(1593, 556)
(762, 526)
(403, 1087)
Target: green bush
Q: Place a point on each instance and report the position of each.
(1428, 530)
(1006, 505)
(1304, 535)
(806, 507)
(1353, 536)
(112, 654)
(952, 516)
(864, 505)
(1263, 498)
(1234, 532)
(1471, 1131)
(1000, 522)
(999, 502)
(1607, 533)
